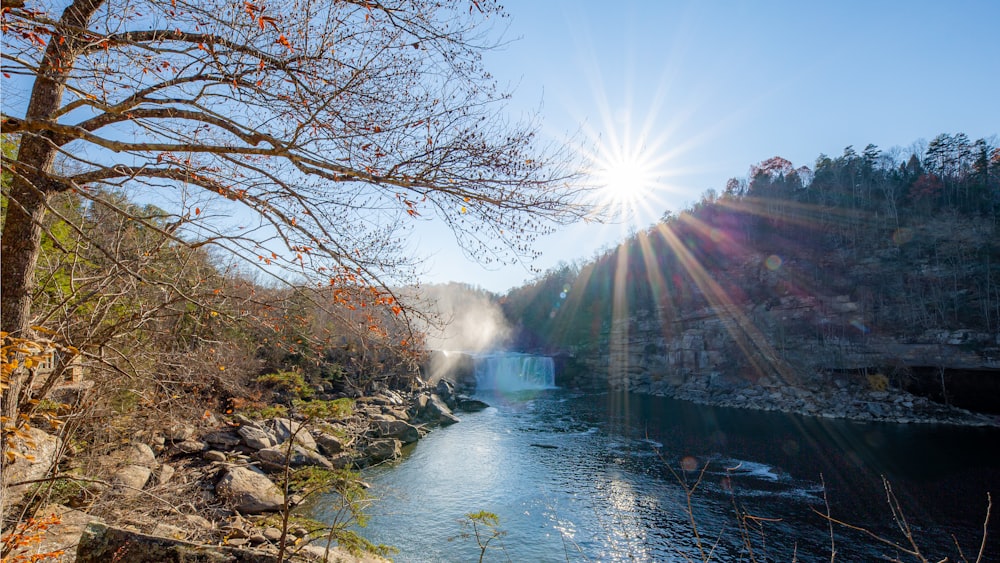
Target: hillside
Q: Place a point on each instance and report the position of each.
(878, 270)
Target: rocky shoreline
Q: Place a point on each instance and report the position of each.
(221, 481)
(843, 398)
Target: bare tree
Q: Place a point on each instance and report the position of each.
(302, 136)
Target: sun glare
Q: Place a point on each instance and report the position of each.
(625, 180)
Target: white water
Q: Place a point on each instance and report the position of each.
(514, 372)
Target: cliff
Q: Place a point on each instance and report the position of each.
(856, 294)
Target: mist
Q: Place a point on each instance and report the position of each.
(459, 321)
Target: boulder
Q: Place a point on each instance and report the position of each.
(470, 405)
(222, 439)
(43, 448)
(189, 447)
(130, 479)
(445, 389)
(437, 412)
(256, 437)
(63, 536)
(285, 429)
(382, 450)
(301, 456)
(404, 432)
(179, 432)
(329, 444)
(140, 454)
(249, 491)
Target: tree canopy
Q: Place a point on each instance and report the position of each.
(303, 136)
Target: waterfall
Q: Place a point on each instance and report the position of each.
(514, 372)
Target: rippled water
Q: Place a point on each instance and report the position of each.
(587, 477)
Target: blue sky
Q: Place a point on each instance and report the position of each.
(707, 88)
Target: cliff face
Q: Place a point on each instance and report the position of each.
(783, 291)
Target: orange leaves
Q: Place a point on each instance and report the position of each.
(26, 534)
(282, 40)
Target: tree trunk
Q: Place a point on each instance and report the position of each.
(30, 190)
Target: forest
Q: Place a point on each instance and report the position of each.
(908, 235)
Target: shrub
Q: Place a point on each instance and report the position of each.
(878, 382)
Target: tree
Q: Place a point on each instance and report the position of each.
(319, 127)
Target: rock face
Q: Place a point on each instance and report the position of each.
(100, 544)
(249, 491)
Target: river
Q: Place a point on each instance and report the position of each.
(603, 477)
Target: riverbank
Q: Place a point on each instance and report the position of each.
(851, 397)
(226, 481)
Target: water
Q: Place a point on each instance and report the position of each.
(514, 372)
(587, 477)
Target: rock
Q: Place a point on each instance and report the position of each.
(436, 411)
(257, 539)
(66, 534)
(329, 444)
(256, 437)
(189, 447)
(130, 479)
(223, 439)
(337, 554)
(140, 454)
(43, 448)
(100, 543)
(179, 432)
(404, 432)
(214, 455)
(244, 421)
(274, 457)
(395, 413)
(285, 428)
(445, 389)
(164, 475)
(249, 491)
(272, 534)
(343, 460)
(382, 450)
(471, 405)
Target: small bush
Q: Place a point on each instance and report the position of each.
(878, 382)
(289, 382)
(256, 411)
(327, 410)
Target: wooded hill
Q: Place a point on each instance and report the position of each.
(891, 245)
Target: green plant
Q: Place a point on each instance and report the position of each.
(347, 495)
(878, 382)
(485, 528)
(336, 409)
(256, 412)
(289, 382)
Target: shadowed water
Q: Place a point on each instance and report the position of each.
(585, 477)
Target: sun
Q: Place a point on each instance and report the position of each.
(625, 179)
